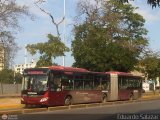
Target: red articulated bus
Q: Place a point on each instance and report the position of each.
(57, 85)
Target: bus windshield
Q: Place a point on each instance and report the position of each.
(35, 83)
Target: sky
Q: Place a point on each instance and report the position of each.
(34, 31)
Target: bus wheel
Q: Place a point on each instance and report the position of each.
(27, 106)
(104, 98)
(131, 97)
(68, 100)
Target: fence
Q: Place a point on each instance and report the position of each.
(10, 88)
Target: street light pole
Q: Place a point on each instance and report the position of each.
(25, 56)
(64, 29)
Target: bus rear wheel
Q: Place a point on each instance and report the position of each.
(131, 97)
(104, 98)
(68, 100)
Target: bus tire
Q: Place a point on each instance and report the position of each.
(131, 97)
(68, 100)
(104, 98)
(27, 106)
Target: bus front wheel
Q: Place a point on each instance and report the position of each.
(68, 100)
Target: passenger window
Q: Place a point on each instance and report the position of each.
(123, 82)
(105, 85)
(88, 85)
(67, 85)
(78, 84)
(56, 83)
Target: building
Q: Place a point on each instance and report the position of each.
(2, 55)
(19, 68)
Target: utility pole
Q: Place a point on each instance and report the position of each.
(64, 29)
(25, 56)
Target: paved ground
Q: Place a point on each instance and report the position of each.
(146, 110)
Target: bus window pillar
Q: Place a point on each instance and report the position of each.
(73, 85)
(101, 83)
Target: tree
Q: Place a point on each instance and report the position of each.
(55, 48)
(149, 64)
(7, 76)
(56, 24)
(10, 12)
(18, 78)
(110, 37)
(48, 50)
(153, 3)
(9, 47)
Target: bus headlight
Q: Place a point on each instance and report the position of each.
(44, 99)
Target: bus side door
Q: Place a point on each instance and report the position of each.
(57, 97)
(56, 94)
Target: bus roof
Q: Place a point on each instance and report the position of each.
(120, 73)
(68, 69)
(74, 69)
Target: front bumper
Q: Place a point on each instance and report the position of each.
(34, 100)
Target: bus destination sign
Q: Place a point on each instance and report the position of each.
(35, 72)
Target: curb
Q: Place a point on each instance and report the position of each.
(121, 102)
(78, 106)
(93, 105)
(34, 110)
(107, 103)
(58, 108)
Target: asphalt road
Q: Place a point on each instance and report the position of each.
(139, 110)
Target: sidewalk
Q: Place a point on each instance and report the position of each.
(10, 102)
(151, 95)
